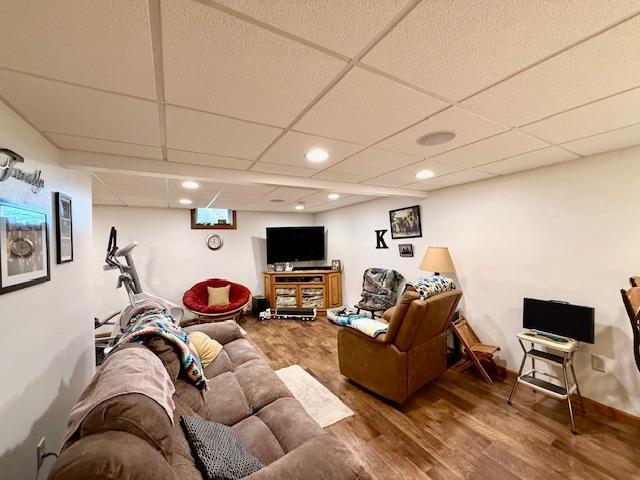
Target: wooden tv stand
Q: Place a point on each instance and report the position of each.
(321, 289)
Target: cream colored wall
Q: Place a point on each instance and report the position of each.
(566, 232)
(46, 345)
(171, 257)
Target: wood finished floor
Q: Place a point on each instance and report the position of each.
(457, 427)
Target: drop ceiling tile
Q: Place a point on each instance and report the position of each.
(96, 43)
(219, 63)
(289, 193)
(467, 127)
(218, 161)
(70, 142)
(292, 147)
(142, 202)
(131, 180)
(608, 114)
(342, 202)
(606, 64)
(526, 161)
(279, 169)
(63, 108)
(406, 175)
(374, 162)
(338, 25)
(334, 176)
(211, 188)
(364, 108)
(491, 149)
(102, 195)
(322, 197)
(456, 178)
(208, 133)
(604, 142)
(457, 47)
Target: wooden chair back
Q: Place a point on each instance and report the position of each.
(466, 334)
(631, 300)
(635, 281)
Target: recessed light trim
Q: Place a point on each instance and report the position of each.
(424, 174)
(333, 196)
(299, 207)
(435, 138)
(190, 185)
(317, 155)
(185, 201)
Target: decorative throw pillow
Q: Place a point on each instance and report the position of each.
(218, 451)
(206, 347)
(218, 296)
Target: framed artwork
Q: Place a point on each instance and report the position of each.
(406, 249)
(405, 222)
(64, 228)
(335, 265)
(24, 247)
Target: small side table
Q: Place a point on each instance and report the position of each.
(566, 349)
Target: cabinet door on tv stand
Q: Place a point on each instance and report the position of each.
(334, 290)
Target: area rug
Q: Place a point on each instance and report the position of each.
(321, 405)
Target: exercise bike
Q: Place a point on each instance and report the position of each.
(121, 259)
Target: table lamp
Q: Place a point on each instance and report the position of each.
(436, 260)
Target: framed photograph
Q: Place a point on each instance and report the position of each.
(336, 265)
(24, 247)
(406, 249)
(279, 267)
(405, 222)
(64, 228)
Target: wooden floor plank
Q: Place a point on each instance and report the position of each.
(457, 427)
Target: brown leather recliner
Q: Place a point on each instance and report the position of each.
(412, 352)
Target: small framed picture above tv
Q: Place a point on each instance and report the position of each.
(405, 222)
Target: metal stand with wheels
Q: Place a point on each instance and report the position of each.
(566, 348)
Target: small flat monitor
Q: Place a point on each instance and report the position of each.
(559, 318)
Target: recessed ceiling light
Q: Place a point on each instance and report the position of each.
(276, 200)
(317, 155)
(185, 201)
(299, 207)
(424, 174)
(435, 138)
(333, 196)
(190, 184)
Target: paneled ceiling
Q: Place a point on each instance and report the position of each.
(233, 93)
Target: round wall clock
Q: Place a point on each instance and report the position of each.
(214, 242)
(22, 247)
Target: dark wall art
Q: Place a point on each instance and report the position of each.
(64, 228)
(405, 222)
(24, 247)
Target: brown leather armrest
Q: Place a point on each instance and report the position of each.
(381, 339)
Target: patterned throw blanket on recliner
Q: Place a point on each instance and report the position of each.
(427, 287)
(160, 323)
(379, 288)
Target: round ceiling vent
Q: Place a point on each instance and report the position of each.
(276, 200)
(435, 138)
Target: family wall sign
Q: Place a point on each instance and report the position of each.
(9, 168)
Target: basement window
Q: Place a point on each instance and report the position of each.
(213, 218)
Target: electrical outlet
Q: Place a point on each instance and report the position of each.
(598, 363)
(40, 451)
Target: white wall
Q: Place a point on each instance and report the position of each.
(46, 346)
(171, 257)
(567, 232)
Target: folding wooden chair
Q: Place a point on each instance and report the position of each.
(631, 300)
(634, 281)
(476, 351)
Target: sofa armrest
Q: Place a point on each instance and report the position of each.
(321, 458)
(380, 339)
(222, 332)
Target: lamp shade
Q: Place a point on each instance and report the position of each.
(437, 259)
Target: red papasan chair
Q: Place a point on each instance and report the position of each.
(196, 300)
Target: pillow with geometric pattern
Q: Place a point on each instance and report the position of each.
(218, 451)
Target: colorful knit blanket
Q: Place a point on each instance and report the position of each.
(427, 287)
(159, 322)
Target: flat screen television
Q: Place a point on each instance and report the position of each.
(295, 244)
(559, 318)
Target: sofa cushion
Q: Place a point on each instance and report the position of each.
(219, 451)
(190, 394)
(225, 401)
(221, 364)
(241, 351)
(258, 439)
(289, 423)
(133, 413)
(260, 384)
